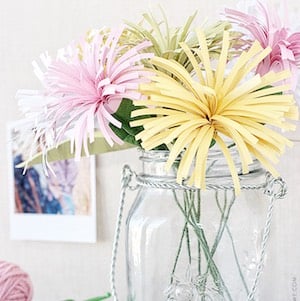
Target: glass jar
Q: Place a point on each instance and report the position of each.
(187, 244)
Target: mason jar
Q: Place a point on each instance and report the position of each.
(189, 244)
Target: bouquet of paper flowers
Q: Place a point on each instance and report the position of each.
(177, 89)
(180, 90)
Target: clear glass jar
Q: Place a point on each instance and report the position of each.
(188, 244)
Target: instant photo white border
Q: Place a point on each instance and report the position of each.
(50, 227)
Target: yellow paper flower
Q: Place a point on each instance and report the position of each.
(189, 111)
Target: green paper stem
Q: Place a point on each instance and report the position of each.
(63, 151)
(100, 298)
(108, 295)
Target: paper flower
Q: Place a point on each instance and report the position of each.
(166, 39)
(194, 112)
(266, 27)
(38, 134)
(87, 83)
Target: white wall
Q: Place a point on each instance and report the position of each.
(28, 28)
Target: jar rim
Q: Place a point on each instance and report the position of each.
(217, 165)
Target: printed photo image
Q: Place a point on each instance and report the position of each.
(64, 193)
(61, 192)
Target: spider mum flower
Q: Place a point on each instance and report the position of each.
(88, 82)
(166, 39)
(189, 112)
(266, 27)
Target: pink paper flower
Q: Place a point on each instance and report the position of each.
(88, 82)
(266, 27)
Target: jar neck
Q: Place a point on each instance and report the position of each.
(154, 162)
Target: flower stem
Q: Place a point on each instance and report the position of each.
(231, 240)
(186, 206)
(222, 225)
(184, 232)
(179, 251)
(212, 268)
(237, 260)
(198, 217)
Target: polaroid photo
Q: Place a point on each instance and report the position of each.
(57, 207)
